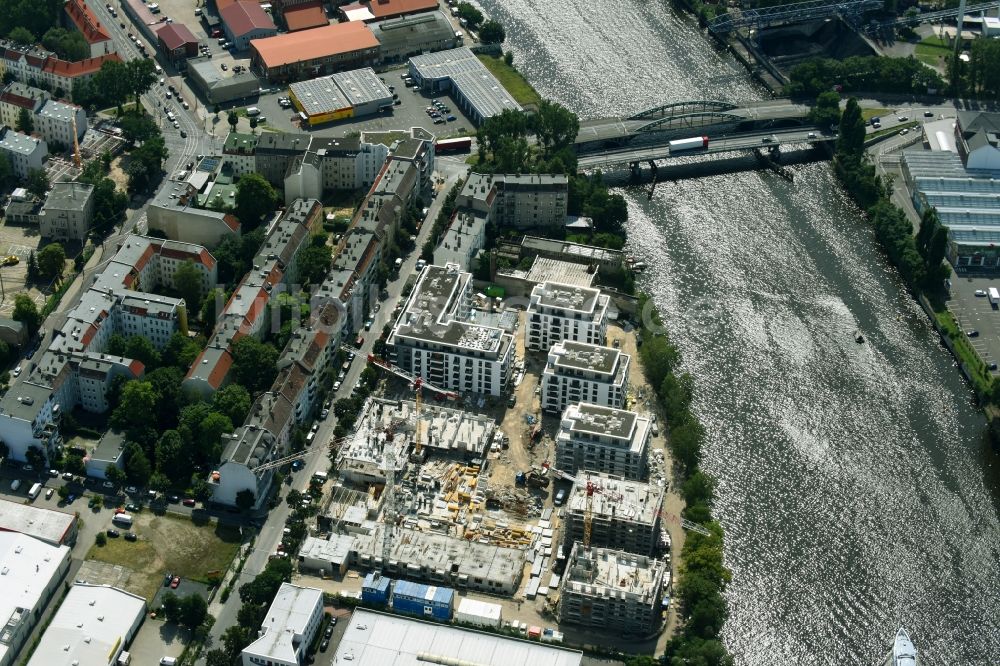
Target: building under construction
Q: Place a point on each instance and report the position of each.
(624, 514)
(613, 590)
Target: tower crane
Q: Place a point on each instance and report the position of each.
(77, 160)
(301, 455)
(418, 383)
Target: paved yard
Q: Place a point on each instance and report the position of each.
(157, 639)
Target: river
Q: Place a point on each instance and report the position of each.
(853, 480)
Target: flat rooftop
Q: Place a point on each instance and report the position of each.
(620, 499)
(442, 427)
(286, 618)
(604, 421)
(602, 572)
(469, 76)
(573, 251)
(45, 524)
(567, 297)
(545, 269)
(582, 356)
(379, 639)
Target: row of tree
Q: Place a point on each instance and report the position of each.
(920, 259)
(115, 83)
(862, 73)
(703, 579)
(21, 20)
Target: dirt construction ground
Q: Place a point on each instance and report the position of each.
(169, 543)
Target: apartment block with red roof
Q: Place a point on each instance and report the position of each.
(82, 18)
(17, 96)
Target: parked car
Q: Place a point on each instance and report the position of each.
(972, 333)
(134, 508)
(173, 499)
(114, 534)
(175, 582)
(324, 413)
(188, 501)
(981, 292)
(67, 476)
(108, 485)
(324, 645)
(167, 578)
(119, 510)
(54, 473)
(336, 386)
(131, 489)
(928, 114)
(131, 536)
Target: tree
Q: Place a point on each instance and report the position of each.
(473, 17)
(314, 263)
(233, 401)
(826, 113)
(38, 182)
(181, 351)
(253, 124)
(6, 171)
(109, 206)
(101, 539)
(112, 84)
(685, 441)
(20, 35)
(193, 611)
(26, 312)
(52, 261)
(492, 33)
(171, 605)
(255, 200)
(25, 123)
(35, 457)
(293, 498)
(233, 119)
(211, 306)
(254, 364)
(658, 357)
(137, 467)
(116, 476)
(245, 499)
(138, 402)
(852, 131)
(141, 349)
(236, 638)
(188, 283)
(211, 430)
(68, 44)
(173, 458)
(141, 74)
(63, 492)
(137, 127)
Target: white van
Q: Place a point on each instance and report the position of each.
(253, 111)
(122, 519)
(35, 491)
(168, 661)
(15, 484)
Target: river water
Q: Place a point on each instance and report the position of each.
(854, 486)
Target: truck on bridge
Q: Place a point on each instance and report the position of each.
(688, 144)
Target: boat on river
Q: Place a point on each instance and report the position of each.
(859, 337)
(903, 652)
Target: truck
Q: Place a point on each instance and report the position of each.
(688, 144)
(35, 491)
(994, 295)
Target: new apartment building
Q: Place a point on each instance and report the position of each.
(625, 515)
(580, 372)
(565, 312)
(436, 336)
(602, 439)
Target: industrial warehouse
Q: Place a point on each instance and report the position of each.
(358, 92)
(460, 72)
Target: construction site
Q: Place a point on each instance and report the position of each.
(623, 514)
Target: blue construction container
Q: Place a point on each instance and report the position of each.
(423, 600)
(375, 589)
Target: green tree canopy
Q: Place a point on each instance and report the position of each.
(26, 312)
(826, 112)
(38, 182)
(232, 401)
(173, 456)
(255, 200)
(52, 261)
(67, 44)
(140, 348)
(492, 33)
(188, 283)
(473, 17)
(852, 131)
(25, 123)
(138, 127)
(137, 466)
(138, 402)
(21, 35)
(141, 74)
(254, 364)
(314, 263)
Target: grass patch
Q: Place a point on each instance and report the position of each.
(868, 114)
(170, 543)
(981, 377)
(931, 50)
(909, 125)
(511, 79)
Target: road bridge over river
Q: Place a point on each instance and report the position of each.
(645, 136)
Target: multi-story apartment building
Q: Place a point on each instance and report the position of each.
(25, 153)
(435, 337)
(81, 17)
(288, 629)
(26, 63)
(17, 96)
(465, 236)
(60, 123)
(578, 372)
(565, 312)
(517, 200)
(602, 439)
(67, 212)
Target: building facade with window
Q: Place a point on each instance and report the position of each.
(579, 372)
(565, 312)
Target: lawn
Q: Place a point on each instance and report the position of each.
(511, 79)
(931, 51)
(868, 114)
(981, 376)
(170, 543)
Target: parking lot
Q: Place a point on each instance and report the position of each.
(411, 112)
(18, 241)
(976, 314)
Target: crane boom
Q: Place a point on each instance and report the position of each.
(301, 455)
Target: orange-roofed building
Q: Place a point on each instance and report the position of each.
(305, 16)
(86, 23)
(64, 74)
(387, 9)
(312, 53)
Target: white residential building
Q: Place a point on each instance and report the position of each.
(437, 338)
(565, 312)
(602, 439)
(94, 624)
(57, 122)
(17, 96)
(288, 628)
(578, 372)
(67, 212)
(517, 200)
(32, 572)
(24, 152)
(466, 235)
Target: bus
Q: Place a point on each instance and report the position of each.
(450, 145)
(994, 295)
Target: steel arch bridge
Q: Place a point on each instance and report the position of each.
(689, 120)
(682, 108)
(800, 11)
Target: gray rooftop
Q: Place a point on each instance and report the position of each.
(582, 356)
(619, 498)
(16, 142)
(378, 639)
(45, 524)
(603, 572)
(59, 111)
(568, 297)
(68, 196)
(428, 26)
(362, 86)
(604, 421)
(469, 76)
